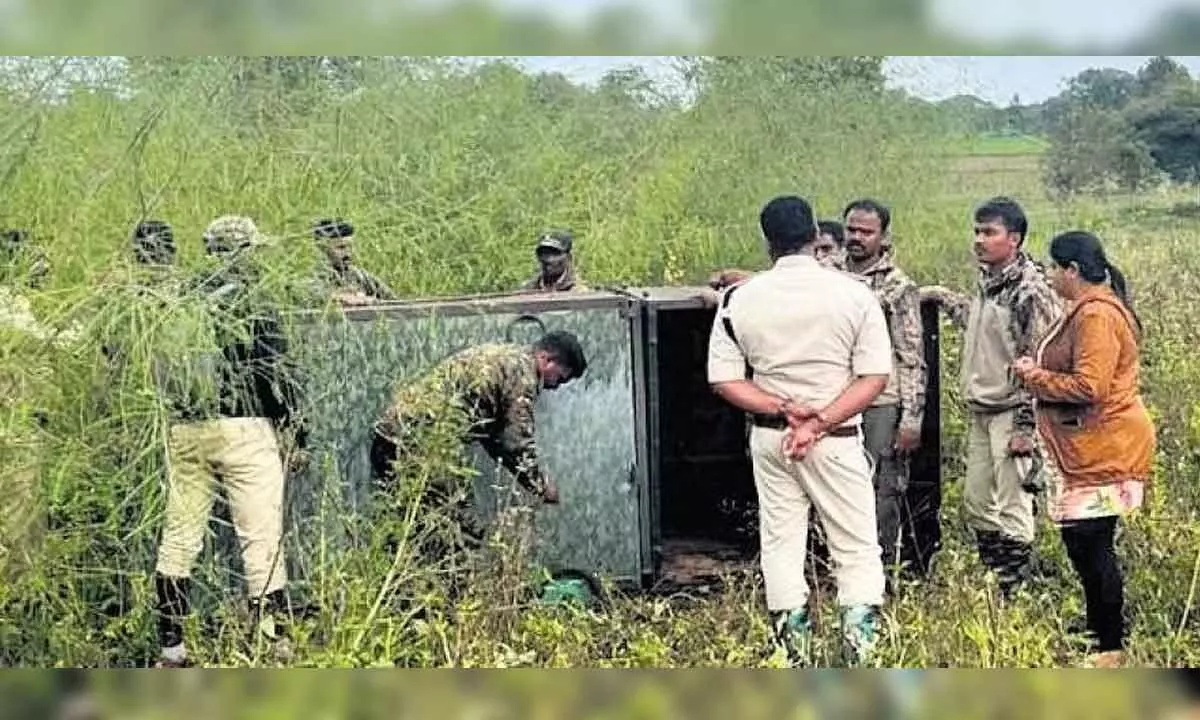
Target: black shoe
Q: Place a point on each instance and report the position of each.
(172, 607)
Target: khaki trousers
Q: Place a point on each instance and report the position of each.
(993, 500)
(244, 454)
(835, 478)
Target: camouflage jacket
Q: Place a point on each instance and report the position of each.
(354, 279)
(568, 281)
(900, 299)
(1004, 320)
(488, 392)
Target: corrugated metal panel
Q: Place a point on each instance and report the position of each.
(585, 429)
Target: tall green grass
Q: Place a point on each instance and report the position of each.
(449, 175)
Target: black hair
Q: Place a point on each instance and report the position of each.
(874, 207)
(788, 224)
(14, 238)
(564, 348)
(153, 242)
(332, 228)
(834, 229)
(160, 228)
(1085, 252)
(1007, 211)
(13, 243)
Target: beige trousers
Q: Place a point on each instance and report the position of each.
(244, 453)
(836, 479)
(993, 500)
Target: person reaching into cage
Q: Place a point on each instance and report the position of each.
(483, 394)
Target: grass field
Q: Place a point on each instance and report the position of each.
(449, 179)
(997, 145)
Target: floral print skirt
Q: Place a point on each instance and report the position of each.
(1070, 504)
(1064, 504)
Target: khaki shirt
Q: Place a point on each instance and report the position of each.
(805, 330)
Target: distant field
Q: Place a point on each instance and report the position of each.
(997, 145)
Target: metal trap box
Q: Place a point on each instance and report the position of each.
(651, 466)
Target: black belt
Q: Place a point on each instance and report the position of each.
(779, 422)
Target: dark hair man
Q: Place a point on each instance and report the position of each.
(483, 394)
(817, 346)
(892, 425)
(1004, 320)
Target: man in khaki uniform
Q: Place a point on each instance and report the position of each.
(1006, 319)
(226, 422)
(829, 250)
(556, 262)
(341, 277)
(892, 424)
(816, 343)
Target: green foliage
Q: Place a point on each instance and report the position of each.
(1169, 127)
(449, 172)
(1094, 149)
(1112, 128)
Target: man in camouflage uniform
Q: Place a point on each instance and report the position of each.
(556, 261)
(1006, 319)
(23, 382)
(892, 424)
(483, 394)
(229, 408)
(349, 283)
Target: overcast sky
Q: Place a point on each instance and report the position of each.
(994, 78)
(1069, 21)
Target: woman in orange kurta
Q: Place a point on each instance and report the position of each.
(1092, 424)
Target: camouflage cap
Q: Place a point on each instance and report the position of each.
(560, 240)
(233, 231)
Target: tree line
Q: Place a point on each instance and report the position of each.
(1108, 128)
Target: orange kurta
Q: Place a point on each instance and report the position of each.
(1090, 414)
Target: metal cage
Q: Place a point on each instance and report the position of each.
(646, 457)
